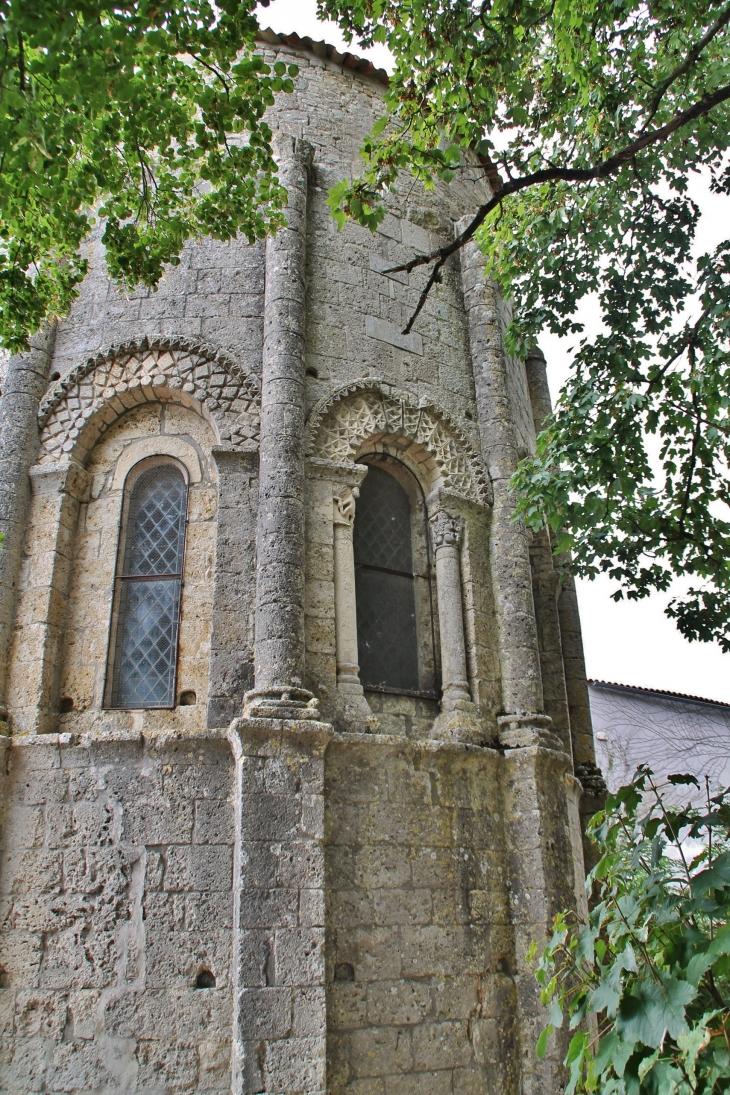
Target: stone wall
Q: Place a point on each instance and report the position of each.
(191, 900)
(420, 951)
(116, 899)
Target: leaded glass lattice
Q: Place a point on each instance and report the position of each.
(148, 587)
(382, 534)
(384, 585)
(156, 522)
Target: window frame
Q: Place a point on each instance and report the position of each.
(130, 482)
(381, 459)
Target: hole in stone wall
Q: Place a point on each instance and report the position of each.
(344, 972)
(65, 704)
(188, 699)
(469, 415)
(205, 980)
(55, 376)
(4, 980)
(311, 371)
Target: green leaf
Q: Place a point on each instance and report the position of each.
(653, 1009)
(541, 1047)
(613, 1053)
(718, 875)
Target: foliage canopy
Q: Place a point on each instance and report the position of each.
(149, 114)
(588, 117)
(647, 979)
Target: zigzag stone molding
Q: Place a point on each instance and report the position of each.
(368, 410)
(91, 397)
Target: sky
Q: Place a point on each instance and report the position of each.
(626, 642)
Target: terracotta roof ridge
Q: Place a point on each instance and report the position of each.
(325, 51)
(657, 692)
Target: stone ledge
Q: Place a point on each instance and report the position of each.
(421, 745)
(269, 737)
(93, 737)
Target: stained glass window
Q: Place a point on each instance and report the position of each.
(384, 585)
(147, 591)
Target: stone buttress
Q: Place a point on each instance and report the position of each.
(290, 822)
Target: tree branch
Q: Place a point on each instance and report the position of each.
(722, 20)
(605, 169)
(21, 62)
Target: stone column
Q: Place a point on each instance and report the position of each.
(576, 683)
(546, 858)
(571, 638)
(353, 711)
(25, 382)
(458, 713)
(279, 1011)
(279, 649)
(58, 491)
(522, 695)
(348, 670)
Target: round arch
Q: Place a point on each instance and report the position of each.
(81, 407)
(368, 416)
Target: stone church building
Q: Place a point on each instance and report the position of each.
(296, 737)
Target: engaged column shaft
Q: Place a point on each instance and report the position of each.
(511, 575)
(446, 532)
(25, 382)
(279, 652)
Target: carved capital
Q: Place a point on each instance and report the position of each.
(446, 531)
(343, 508)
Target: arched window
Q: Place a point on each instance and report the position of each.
(392, 582)
(147, 588)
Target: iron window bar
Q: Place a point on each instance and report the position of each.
(419, 695)
(148, 577)
(389, 570)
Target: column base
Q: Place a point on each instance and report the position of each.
(459, 723)
(354, 715)
(519, 731)
(280, 702)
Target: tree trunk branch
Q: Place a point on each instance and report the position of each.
(605, 169)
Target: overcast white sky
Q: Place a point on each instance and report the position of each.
(631, 643)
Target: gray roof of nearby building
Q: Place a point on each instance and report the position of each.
(662, 693)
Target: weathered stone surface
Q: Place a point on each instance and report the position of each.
(194, 900)
(101, 953)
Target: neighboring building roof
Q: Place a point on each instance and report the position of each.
(668, 731)
(613, 686)
(326, 53)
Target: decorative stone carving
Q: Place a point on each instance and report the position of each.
(521, 731)
(446, 531)
(344, 505)
(90, 397)
(370, 411)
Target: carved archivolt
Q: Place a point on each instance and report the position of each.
(368, 412)
(90, 398)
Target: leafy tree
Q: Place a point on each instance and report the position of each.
(646, 982)
(588, 118)
(149, 114)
